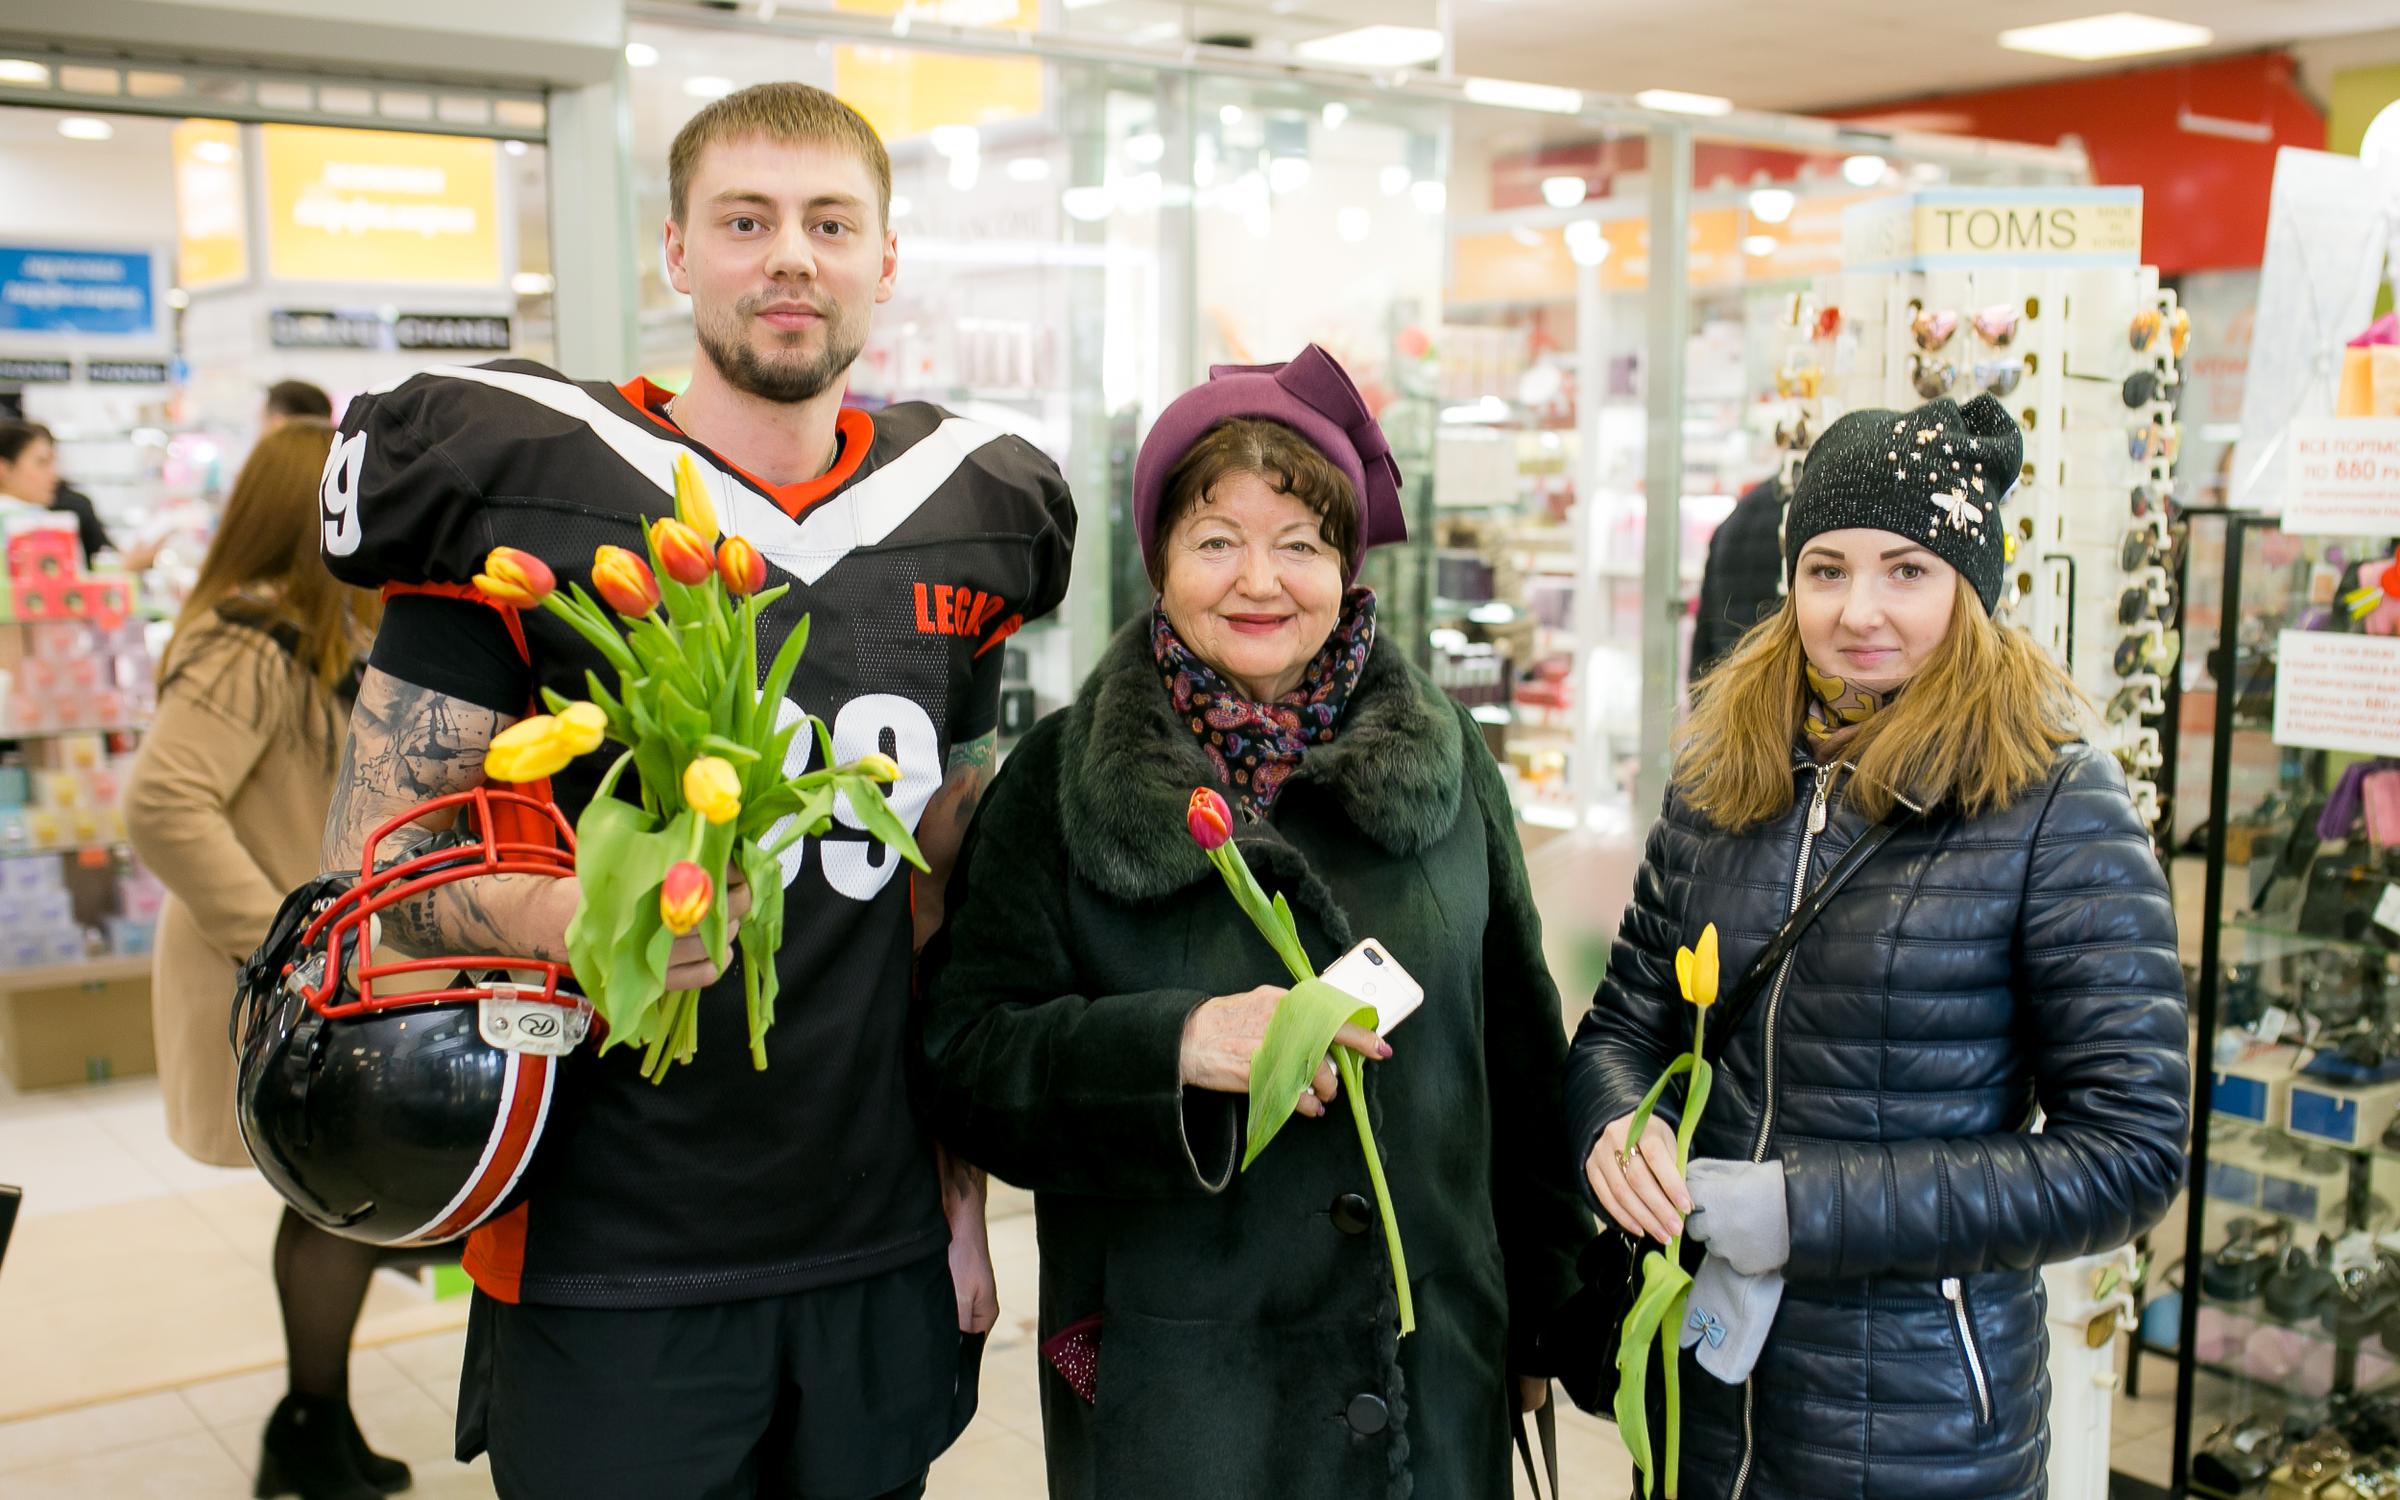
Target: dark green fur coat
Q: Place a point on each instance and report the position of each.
(1244, 1315)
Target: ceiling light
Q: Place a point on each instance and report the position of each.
(1677, 102)
(1287, 174)
(85, 128)
(1376, 47)
(2121, 33)
(1086, 205)
(707, 86)
(1353, 224)
(1862, 170)
(1563, 192)
(1759, 244)
(1146, 148)
(513, 148)
(1526, 235)
(1230, 115)
(956, 140)
(178, 298)
(1431, 197)
(1772, 205)
(640, 55)
(215, 153)
(1511, 95)
(532, 284)
(1395, 179)
(901, 207)
(1028, 168)
(20, 70)
(1335, 114)
(1587, 242)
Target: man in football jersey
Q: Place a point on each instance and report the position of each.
(737, 1282)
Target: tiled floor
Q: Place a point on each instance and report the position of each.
(142, 1282)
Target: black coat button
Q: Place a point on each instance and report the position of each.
(1368, 1415)
(1352, 1214)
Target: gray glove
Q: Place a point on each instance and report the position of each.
(1738, 1213)
(1727, 1316)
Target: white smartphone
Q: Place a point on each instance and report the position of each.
(1371, 973)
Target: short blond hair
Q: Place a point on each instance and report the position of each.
(794, 113)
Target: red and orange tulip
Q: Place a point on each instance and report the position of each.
(681, 553)
(684, 897)
(1209, 819)
(625, 581)
(515, 578)
(738, 563)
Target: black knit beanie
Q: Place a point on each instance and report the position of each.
(1935, 475)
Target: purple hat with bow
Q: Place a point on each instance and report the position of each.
(1312, 395)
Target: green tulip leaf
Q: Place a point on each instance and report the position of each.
(1287, 1057)
(1662, 1282)
(1641, 1113)
(616, 941)
(787, 659)
(874, 810)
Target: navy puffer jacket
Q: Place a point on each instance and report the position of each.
(1972, 972)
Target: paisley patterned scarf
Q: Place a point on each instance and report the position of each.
(1836, 706)
(1255, 747)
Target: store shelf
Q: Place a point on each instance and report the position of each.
(53, 851)
(90, 971)
(10, 733)
(2267, 927)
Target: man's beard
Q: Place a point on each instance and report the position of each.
(790, 379)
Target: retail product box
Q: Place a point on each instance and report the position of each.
(2346, 1117)
(1956, 228)
(2257, 1088)
(75, 1033)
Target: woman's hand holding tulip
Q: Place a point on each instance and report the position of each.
(1639, 1190)
(1223, 1034)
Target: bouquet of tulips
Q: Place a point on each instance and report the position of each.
(1657, 1311)
(1302, 1029)
(698, 724)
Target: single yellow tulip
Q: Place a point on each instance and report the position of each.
(879, 766)
(693, 507)
(1701, 989)
(713, 789)
(529, 750)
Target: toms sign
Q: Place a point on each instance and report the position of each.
(1953, 228)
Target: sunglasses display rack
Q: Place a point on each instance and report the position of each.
(2088, 361)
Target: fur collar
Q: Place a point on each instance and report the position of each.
(1127, 767)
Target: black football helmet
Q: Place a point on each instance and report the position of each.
(398, 1101)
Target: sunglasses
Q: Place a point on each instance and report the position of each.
(2000, 377)
(2144, 329)
(2150, 544)
(2148, 804)
(2154, 441)
(2141, 697)
(1933, 329)
(2152, 597)
(1996, 325)
(2145, 386)
(2152, 498)
(1796, 434)
(2179, 332)
(2149, 649)
(1932, 378)
(1800, 383)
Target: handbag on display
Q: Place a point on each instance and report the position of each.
(1578, 1348)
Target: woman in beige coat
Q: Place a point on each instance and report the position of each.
(226, 804)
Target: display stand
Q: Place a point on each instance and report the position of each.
(77, 914)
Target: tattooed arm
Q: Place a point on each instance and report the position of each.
(944, 826)
(408, 745)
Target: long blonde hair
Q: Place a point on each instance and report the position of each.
(264, 559)
(1979, 723)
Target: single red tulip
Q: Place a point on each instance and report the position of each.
(681, 553)
(1209, 819)
(738, 563)
(684, 897)
(625, 581)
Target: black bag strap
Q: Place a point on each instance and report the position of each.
(1545, 1421)
(1735, 1008)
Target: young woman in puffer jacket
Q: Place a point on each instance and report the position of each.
(1866, 1176)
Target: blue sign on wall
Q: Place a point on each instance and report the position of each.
(50, 290)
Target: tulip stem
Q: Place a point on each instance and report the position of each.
(1354, 1082)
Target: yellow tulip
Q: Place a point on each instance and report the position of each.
(530, 749)
(582, 726)
(879, 766)
(692, 504)
(1700, 985)
(713, 789)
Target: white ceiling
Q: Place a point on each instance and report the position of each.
(1762, 54)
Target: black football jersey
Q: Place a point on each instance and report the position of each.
(931, 540)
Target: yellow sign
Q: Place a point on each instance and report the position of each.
(1950, 228)
(212, 239)
(380, 206)
(909, 91)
